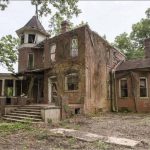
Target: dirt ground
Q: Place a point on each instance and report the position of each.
(38, 137)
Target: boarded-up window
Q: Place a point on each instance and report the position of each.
(74, 47)
(143, 87)
(53, 52)
(30, 61)
(72, 81)
(123, 88)
(31, 38)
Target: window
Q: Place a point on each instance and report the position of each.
(22, 38)
(74, 47)
(143, 87)
(53, 52)
(71, 82)
(30, 61)
(123, 88)
(31, 38)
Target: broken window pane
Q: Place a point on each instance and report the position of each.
(53, 52)
(31, 38)
(74, 47)
(72, 82)
(143, 87)
(124, 88)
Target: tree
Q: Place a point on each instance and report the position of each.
(123, 42)
(133, 44)
(3, 4)
(8, 51)
(57, 11)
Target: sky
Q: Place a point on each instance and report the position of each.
(109, 18)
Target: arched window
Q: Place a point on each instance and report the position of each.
(53, 52)
(74, 47)
(71, 82)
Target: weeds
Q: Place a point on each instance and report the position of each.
(13, 127)
(41, 135)
(101, 145)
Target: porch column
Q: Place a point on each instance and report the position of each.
(14, 87)
(3, 87)
(21, 87)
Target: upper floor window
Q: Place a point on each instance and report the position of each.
(123, 88)
(53, 52)
(22, 39)
(30, 61)
(74, 47)
(31, 38)
(143, 87)
(71, 82)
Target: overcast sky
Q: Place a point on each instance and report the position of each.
(105, 17)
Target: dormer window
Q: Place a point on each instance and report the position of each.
(31, 38)
(74, 47)
(52, 52)
(22, 39)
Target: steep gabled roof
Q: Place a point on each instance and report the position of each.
(134, 64)
(33, 24)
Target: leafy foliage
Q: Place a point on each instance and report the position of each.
(8, 51)
(3, 4)
(132, 45)
(57, 10)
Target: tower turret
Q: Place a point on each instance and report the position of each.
(32, 33)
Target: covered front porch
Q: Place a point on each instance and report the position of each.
(21, 89)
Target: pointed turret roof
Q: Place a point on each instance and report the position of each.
(33, 24)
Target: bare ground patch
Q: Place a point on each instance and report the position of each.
(34, 137)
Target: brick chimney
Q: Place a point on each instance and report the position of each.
(64, 26)
(147, 47)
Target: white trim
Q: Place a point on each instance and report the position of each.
(53, 53)
(146, 86)
(120, 87)
(49, 90)
(71, 48)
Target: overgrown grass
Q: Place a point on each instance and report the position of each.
(8, 128)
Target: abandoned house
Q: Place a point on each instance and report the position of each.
(132, 83)
(74, 72)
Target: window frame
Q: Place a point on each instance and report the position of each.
(53, 53)
(72, 48)
(120, 93)
(34, 38)
(145, 87)
(28, 61)
(22, 38)
(66, 82)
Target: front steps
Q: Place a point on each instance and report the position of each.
(25, 114)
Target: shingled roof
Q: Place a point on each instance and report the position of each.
(35, 24)
(134, 64)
